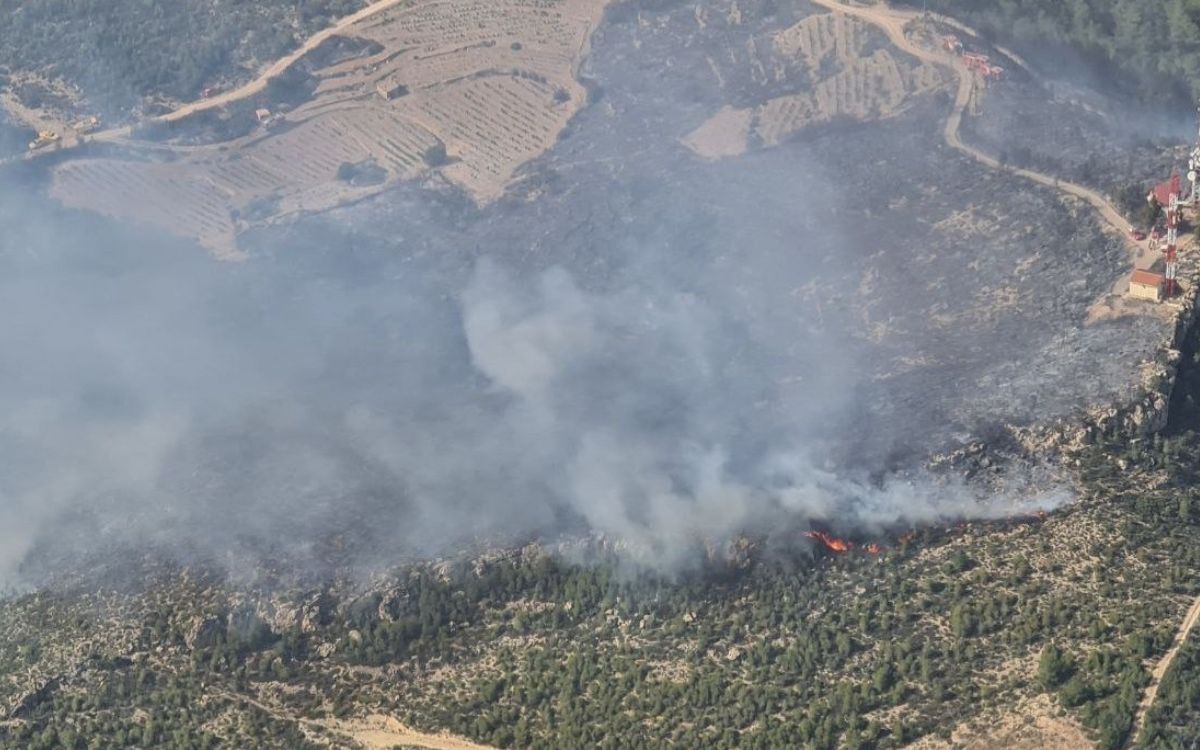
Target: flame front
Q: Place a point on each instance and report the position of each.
(841, 546)
(831, 542)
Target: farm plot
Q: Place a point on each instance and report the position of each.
(211, 194)
(493, 82)
(851, 74)
(165, 196)
(473, 89)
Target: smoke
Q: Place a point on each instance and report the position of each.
(153, 399)
(348, 400)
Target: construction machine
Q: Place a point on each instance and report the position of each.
(44, 138)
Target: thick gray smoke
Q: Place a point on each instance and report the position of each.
(361, 411)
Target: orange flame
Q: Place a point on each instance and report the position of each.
(831, 542)
(842, 546)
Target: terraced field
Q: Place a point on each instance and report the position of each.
(850, 72)
(472, 89)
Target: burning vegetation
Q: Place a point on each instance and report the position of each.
(842, 546)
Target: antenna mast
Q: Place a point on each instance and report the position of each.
(1174, 214)
(1193, 174)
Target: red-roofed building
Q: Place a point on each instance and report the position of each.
(1162, 191)
(1146, 285)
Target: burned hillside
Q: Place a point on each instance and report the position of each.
(572, 374)
(1079, 135)
(961, 292)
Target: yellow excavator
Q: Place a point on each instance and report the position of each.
(44, 138)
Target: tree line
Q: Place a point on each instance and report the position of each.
(1150, 49)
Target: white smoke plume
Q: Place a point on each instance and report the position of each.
(152, 399)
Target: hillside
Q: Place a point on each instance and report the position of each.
(114, 57)
(1148, 49)
(1042, 631)
(573, 375)
(956, 635)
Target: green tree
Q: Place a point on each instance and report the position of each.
(1054, 667)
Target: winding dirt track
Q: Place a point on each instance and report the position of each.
(281, 65)
(276, 69)
(1160, 669)
(893, 23)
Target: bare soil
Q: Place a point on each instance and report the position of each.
(384, 733)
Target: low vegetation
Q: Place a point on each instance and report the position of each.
(120, 52)
(1148, 49)
(780, 649)
(1174, 721)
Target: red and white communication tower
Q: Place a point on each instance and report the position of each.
(1194, 173)
(1169, 195)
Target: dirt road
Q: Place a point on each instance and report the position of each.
(1160, 669)
(279, 66)
(276, 69)
(893, 22)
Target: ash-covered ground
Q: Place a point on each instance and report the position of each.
(1071, 130)
(958, 293)
(635, 340)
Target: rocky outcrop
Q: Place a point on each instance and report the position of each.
(395, 604)
(1141, 416)
(279, 616)
(27, 702)
(1144, 413)
(204, 632)
(315, 612)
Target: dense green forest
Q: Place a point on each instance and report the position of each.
(121, 51)
(1148, 48)
(783, 648)
(528, 651)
